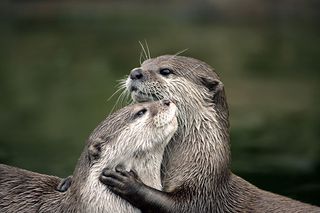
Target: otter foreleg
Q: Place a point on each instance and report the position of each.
(128, 186)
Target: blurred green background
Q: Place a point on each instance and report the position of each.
(60, 62)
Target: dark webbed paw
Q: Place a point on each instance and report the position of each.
(129, 187)
(121, 182)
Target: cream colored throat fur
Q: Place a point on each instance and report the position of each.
(141, 151)
(94, 191)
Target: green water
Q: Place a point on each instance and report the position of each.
(58, 68)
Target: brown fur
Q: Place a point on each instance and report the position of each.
(136, 141)
(197, 176)
(25, 191)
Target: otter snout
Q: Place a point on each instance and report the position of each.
(136, 74)
(166, 113)
(166, 102)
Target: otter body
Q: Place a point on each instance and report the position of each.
(196, 167)
(26, 191)
(134, 137)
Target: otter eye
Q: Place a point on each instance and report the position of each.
(165, 72)
(140, 113)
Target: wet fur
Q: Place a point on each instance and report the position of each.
(136, 143)
(200, 180)
(25, 191)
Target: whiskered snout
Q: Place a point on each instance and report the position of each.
(136, 74)
(166, 102)
(166, 113)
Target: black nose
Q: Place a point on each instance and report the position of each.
(166, 102)
(136, 74)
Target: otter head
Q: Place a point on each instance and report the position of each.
(130, 132)
(191, 83)
(128, 137)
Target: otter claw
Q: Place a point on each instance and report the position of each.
(120, 168)
(120, 181)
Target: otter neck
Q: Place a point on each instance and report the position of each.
(206, 132)
(208, 128)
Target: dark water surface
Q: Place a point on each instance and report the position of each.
(59, 64)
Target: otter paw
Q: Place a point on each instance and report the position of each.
(121, 182)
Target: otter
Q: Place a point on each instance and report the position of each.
(134, 137)
(196, 166)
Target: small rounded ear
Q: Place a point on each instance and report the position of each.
(64, 184)
(215, 86)
(212, 84)
(94, 149)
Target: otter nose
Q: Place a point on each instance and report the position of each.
(136, 74)
(166, 102)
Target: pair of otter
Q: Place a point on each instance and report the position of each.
(195, 169)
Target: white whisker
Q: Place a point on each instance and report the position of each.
(181, 51)
(149, 55)
(144, 51)
(140, 58)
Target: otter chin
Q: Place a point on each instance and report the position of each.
(132, 138)
(139, 96)
(196, 173)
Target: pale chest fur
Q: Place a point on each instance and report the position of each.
(97, 198)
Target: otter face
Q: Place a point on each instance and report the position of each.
(182, 79)
(150, 125)
(131, 131)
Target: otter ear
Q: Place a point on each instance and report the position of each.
(214, 86)
(94, 149)
(64, 184)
